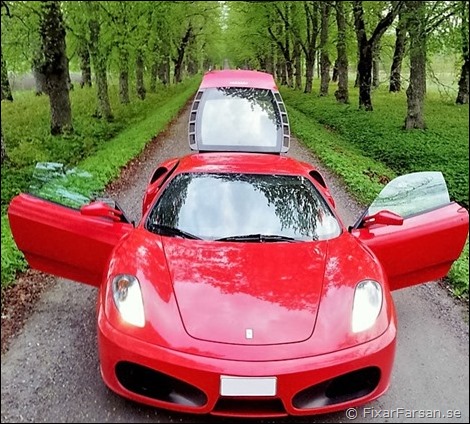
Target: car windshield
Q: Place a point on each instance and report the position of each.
(239, 116)
(242, 207)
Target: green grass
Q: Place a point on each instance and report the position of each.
(443, 146)
(99, 148)
(368, 148)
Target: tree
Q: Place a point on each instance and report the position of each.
(5, 82)
(422, 19)
(118, 13)
(398, 54)
(281, 33)
(417, 86)
(85, 65)
(310, 45)
(6, 89)
(416, 25)
(99, 53)
(4, 152)
(462, 95)
(325, 62)
(139, 74)
(366, 48)
(54, 66)
(342, 93)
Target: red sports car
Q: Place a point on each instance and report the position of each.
(240, 292)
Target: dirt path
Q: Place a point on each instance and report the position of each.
(51, 372)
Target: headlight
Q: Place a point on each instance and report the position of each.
(128, 299)
(366, 306)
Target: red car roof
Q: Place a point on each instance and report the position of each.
(238, 78)
(256, 163)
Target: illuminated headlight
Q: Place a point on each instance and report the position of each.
(366, 306)
(128, 299)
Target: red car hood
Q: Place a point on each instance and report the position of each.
(247, 293)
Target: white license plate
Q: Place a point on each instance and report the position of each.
(247, 386)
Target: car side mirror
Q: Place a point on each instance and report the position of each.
(383, 217)
(101, 209)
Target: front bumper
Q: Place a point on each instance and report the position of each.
(191, 383)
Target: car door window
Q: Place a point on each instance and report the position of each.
(412, 194)
(61, 184)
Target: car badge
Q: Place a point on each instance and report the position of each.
(249, 333)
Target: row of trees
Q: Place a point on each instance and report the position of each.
(163, 40)
(287, 38)
(125, 38)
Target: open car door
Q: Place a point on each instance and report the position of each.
(414, 229)
(67, 242)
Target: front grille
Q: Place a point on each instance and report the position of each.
(352, 385)
(156, 385)
(249, 407)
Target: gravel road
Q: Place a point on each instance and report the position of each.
(51, 371)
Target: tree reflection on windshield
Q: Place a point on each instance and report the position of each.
(256, 97)
(214, 206)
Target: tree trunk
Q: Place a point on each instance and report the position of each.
(281, 70)
(298, 66)
(192, 65)
(164, 71)
(4, 152)
(69, 79)
(178, 71)
(417, 87)
(342, 93)
(55, 66)
(139, 75)
(364, 64)
(462, 95)
(290, 74)
(99, 59)
(124, 76)
(399, 53)
(153, 76)
(334, 76)
(325, 62)
(270, 68)
(364, 71)
(85, 67)
(6, 89)
(366, 48)
(39, 77)
(376, 65)
(309, 69)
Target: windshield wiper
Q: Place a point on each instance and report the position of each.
(166, 230)
(261, 238)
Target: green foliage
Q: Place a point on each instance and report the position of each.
(110, 147)
(458, 275)
(12, 258)
(362, 175)
(443, 146)
(368, 148)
